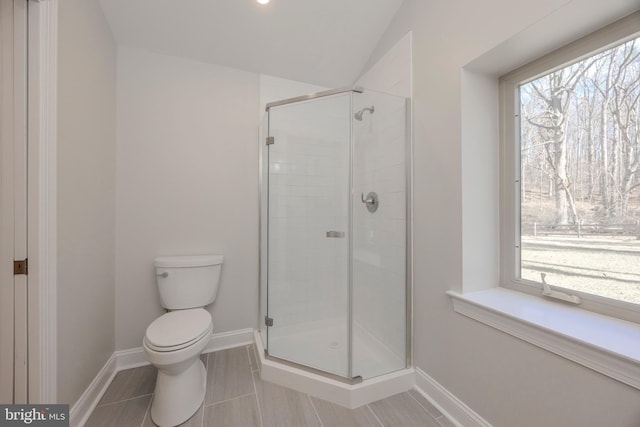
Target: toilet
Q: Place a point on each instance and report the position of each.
(174, 341)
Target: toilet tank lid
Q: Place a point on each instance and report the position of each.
(188, 261)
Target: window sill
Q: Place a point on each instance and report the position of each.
(607, 345)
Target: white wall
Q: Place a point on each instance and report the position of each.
(187, 173)
(505, 380)
(86, 195)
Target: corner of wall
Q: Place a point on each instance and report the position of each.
(86, 126)
(392, 72)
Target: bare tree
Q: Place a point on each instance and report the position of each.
(554, 94)
(580, 126)
(624, 106)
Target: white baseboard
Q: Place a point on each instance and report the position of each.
(450, 406)
(83, 407)
(133, 358)
(130, 358)
(230, 339)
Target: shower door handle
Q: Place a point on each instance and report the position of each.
(335, 234)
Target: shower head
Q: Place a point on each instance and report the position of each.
(359, 114)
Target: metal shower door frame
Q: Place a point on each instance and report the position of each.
(268, 142)
(408, 228)
(331, 92)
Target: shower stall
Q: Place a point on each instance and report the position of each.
(335, 237)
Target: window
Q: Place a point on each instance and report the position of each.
(571, 173)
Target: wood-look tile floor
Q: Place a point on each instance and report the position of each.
(237, 397)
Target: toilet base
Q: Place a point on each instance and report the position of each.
(178, 396)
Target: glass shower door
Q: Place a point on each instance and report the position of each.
(308, 233)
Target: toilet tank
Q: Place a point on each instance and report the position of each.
(188, 281)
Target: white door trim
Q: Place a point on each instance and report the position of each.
(20, 247)
(13, 332)
(42, 134)
(6, 203)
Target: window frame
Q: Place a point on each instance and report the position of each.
(605, 38)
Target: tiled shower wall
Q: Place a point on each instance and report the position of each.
(379, 248)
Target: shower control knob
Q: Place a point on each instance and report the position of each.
(371, 201)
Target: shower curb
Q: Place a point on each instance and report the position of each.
(350, 396)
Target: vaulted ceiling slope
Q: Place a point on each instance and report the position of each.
(324, 42)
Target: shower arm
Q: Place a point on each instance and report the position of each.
(368, 200)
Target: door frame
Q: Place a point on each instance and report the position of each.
(15, 193)
(42, 196)
(7, 214)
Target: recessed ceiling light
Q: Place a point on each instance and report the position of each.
(263, 1)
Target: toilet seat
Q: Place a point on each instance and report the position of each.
(178, 329)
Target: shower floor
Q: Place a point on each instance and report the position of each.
(323, 345)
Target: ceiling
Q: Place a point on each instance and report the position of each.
(324, 42)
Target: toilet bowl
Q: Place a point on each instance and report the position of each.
(174, 341)
(173, 344)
